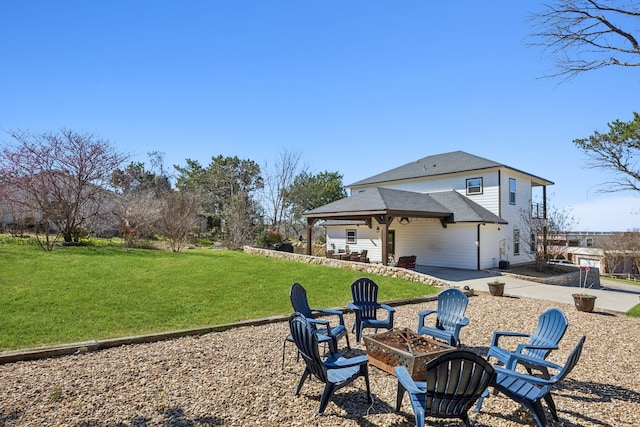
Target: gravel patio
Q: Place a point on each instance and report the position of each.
(234, 378)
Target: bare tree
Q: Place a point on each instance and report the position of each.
(277, 180)
(178, 217)
(62, 176)
(587, 35)
(143, 192)
(613, 248)
(547, 234)
(622, 247)
(241, 220)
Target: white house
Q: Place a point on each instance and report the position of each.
(452, 210)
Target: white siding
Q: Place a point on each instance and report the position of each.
(458, 182)
(516, 216)
(367, 238)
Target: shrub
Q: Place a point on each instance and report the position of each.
(269, 238)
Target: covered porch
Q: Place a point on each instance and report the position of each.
(378, 207)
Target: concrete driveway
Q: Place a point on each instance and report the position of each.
(612, 296)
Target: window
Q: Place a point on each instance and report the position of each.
(589, 242)
(474, 186)
(516, 242)
(512, 191)
(352, 236)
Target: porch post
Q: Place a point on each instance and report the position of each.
(384, 222)
(310, 222)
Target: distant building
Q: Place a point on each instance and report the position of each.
(611, 252)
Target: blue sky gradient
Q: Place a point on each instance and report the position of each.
(357, 87)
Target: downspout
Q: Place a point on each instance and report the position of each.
(478, 246)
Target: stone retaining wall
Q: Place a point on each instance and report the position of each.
(379, 269)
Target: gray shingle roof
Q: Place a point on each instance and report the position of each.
(451, 206)
(465, 209)
(439, 164)
(381, 200)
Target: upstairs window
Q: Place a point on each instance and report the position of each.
(474, 186)
(352, 236)
(512, 191)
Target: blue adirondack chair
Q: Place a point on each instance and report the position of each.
(455, 380)
(530, 390)
(452, 303)
(326, 333)
(335, 371)
(552, 324)
(364, 294)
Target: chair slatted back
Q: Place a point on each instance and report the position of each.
(572, 360)
(452, 304)
(552, 325)
(306, 341)
(455, 380)
(298, 296)
(364, 293)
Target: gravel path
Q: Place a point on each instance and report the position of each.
(234, 378)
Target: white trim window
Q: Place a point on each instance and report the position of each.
(351, 236)
(474, 186)
(516, 242)
(512, 191)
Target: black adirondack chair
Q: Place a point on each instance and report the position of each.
(334, 371)
(452, 304)
(326, 333)
(530, 390)
(455, 380)
(364, 294)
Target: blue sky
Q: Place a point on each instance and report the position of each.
(357, 87)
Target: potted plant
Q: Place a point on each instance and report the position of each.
(496, 288)
(584, 302)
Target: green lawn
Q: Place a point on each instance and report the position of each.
(82, 293)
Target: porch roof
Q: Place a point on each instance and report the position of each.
(448, 206)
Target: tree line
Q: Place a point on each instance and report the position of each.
(67, 185)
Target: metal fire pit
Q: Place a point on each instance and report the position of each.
(402, 346)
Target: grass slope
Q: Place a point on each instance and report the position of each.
(82, 293)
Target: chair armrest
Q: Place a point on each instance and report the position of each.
(497, 335)
(423, 314)
(331, 312)
(343, 362)
(388, 308)
(402, 374)
(520, 376)
(464, 321)
(514, 358)
(390, 312)
(353, 306)
(521, 347)
(327, 311)
(322, 322)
